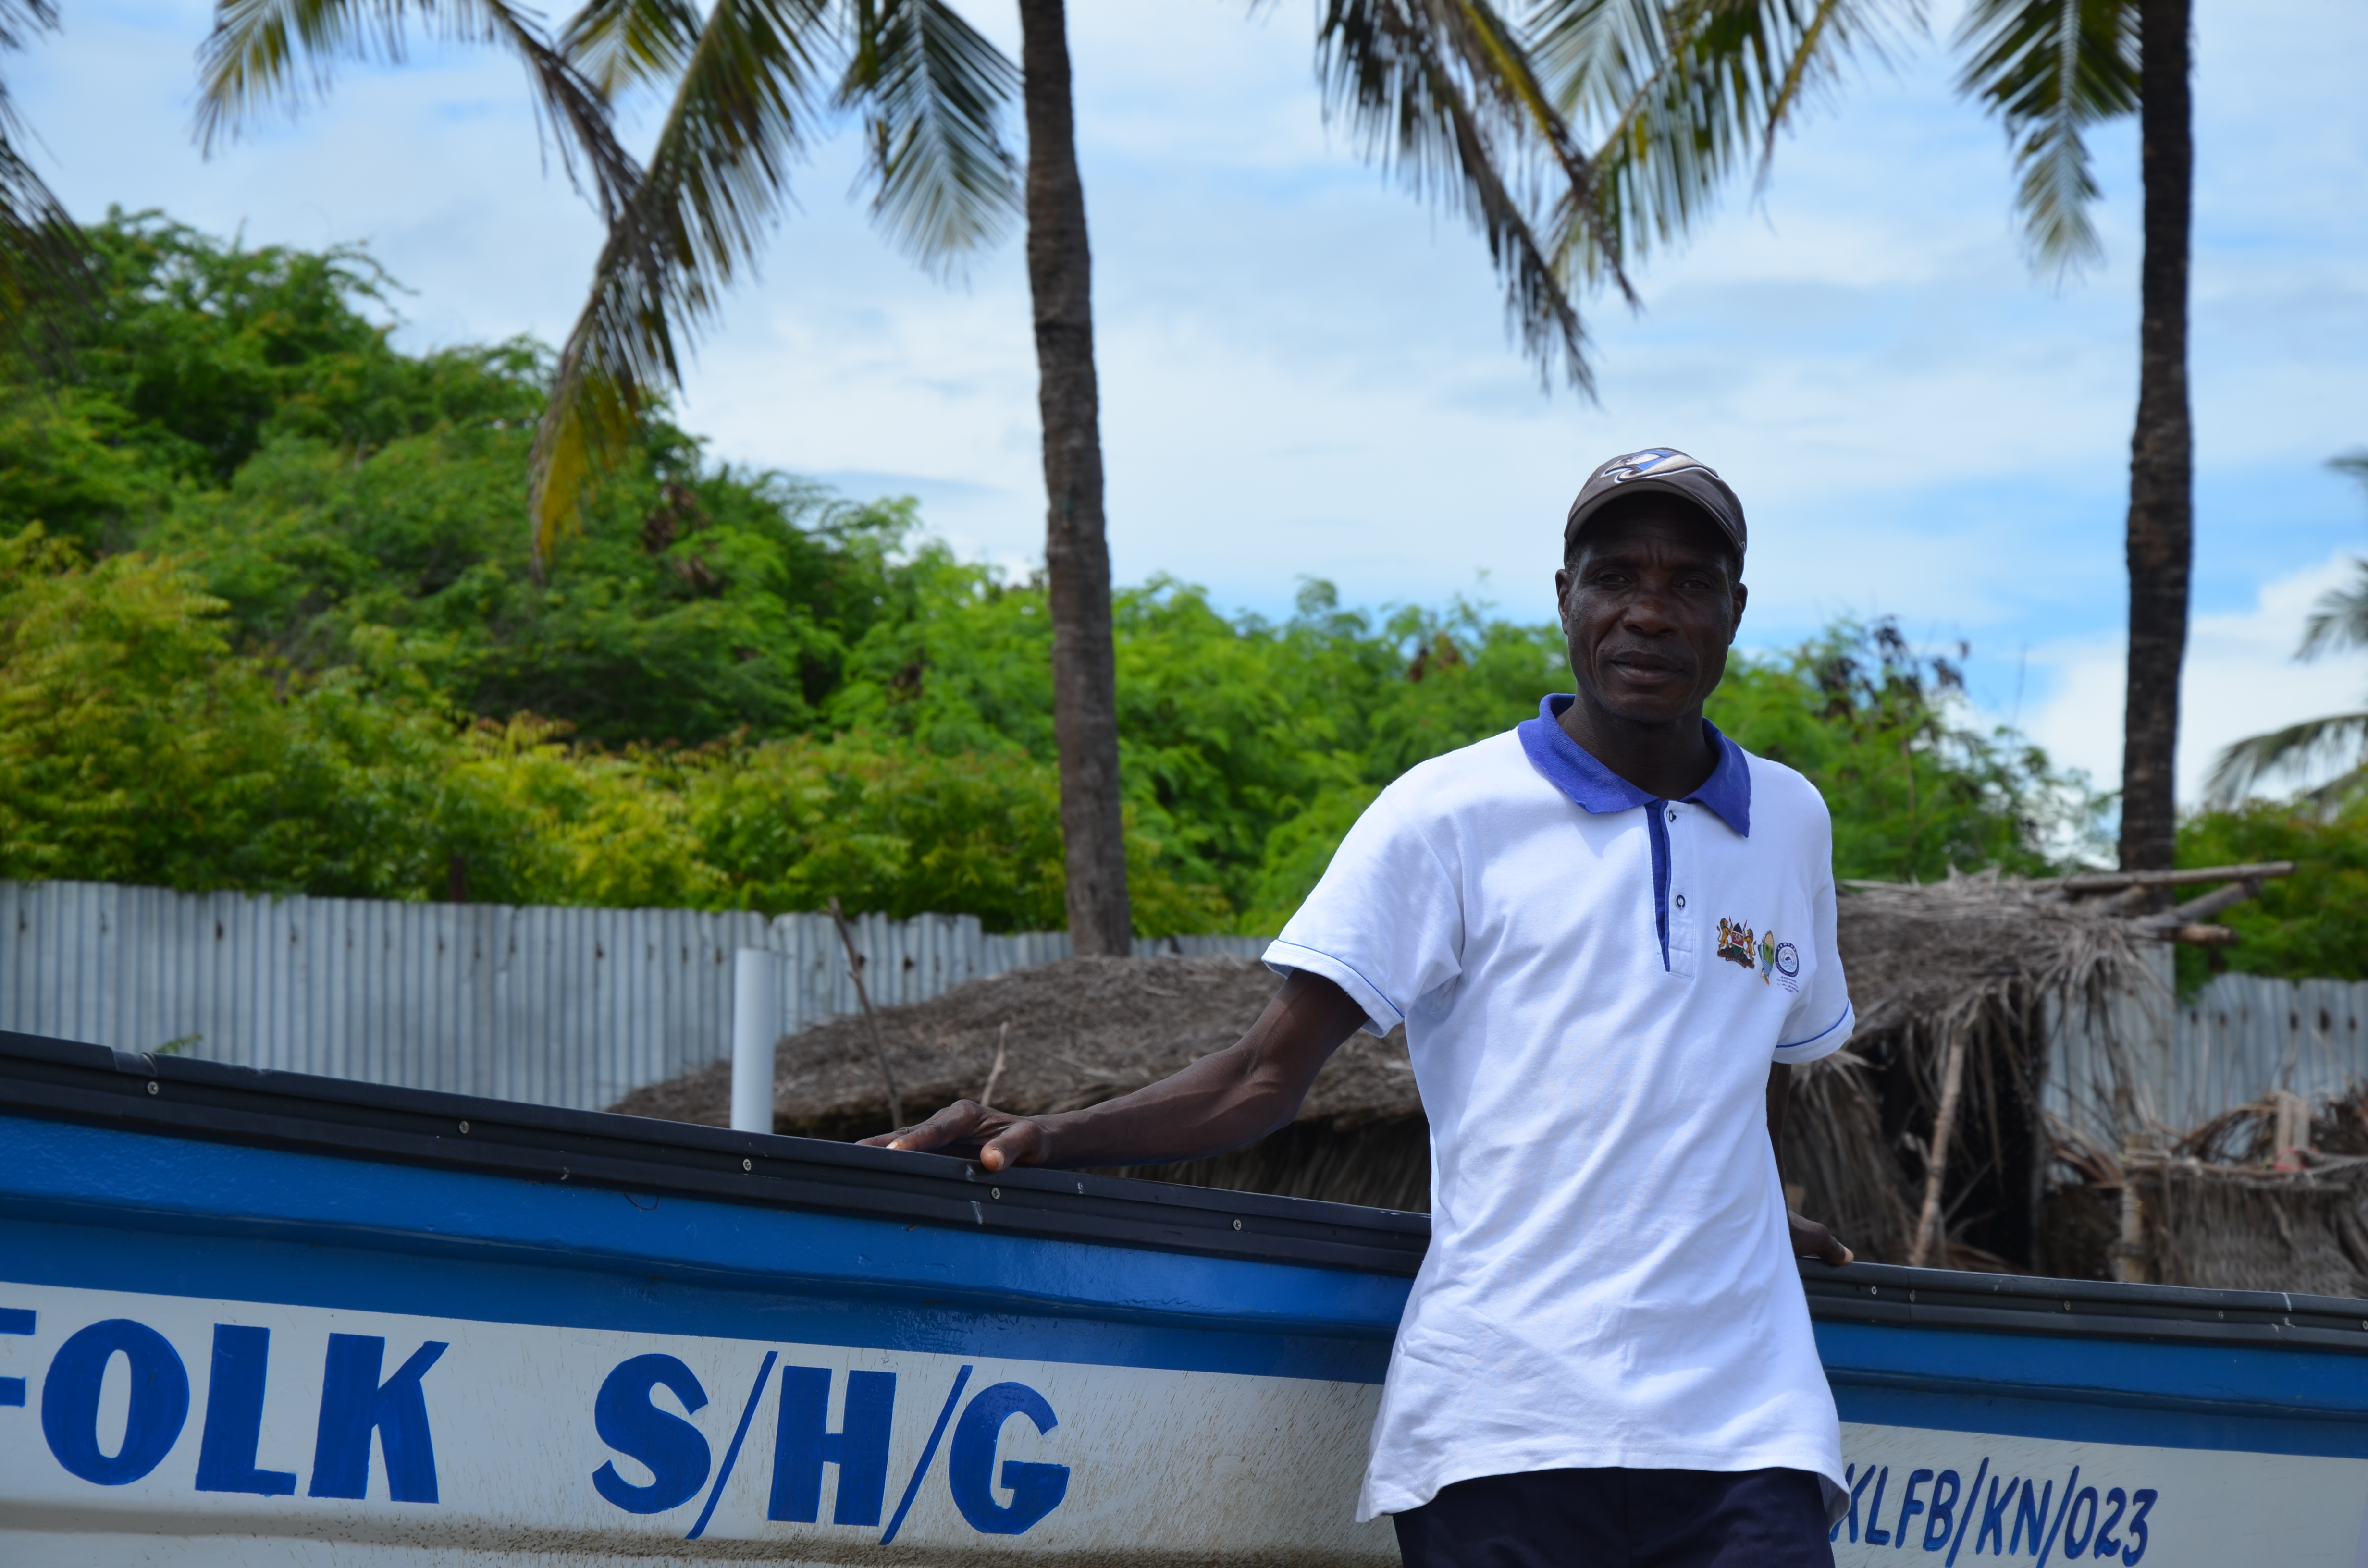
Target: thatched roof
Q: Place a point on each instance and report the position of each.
(1073, 1033)
(1931, 956)
(1085, 1029)
(1953, 982)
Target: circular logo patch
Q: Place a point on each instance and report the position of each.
(1788, 960)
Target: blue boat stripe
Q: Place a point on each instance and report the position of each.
(654, 1296)
(732, 1454)
(929, 1452)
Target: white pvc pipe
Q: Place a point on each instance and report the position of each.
(756, 1024)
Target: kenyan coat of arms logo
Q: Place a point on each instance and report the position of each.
(1736, 942)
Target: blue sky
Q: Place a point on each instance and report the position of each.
(1305, 373)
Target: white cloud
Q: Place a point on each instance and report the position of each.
(2240, 679)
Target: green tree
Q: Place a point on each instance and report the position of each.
(2306, 927)
(1915, 792)
(1447, 92)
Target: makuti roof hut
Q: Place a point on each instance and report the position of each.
(1936, 1136)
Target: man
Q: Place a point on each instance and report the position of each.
(1609, 934)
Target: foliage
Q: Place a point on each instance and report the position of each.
(2308, 925)
(1913, 792)
(266, 622)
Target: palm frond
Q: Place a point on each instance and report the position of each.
(1679, 95)
(932, 92)
(2297, 748)
(44, 262)
(2339, 618)
(2353, 463)
(251, 63)
(2049, 69)
(716, 178)
(623, 43)
(1441, 92)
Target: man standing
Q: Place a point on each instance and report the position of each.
(1609, 935)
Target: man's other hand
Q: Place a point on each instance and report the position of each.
(1813, 1239)
(997, 1140)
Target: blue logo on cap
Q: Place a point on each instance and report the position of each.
(1652, 459)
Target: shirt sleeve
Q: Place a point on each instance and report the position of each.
(1821, 1018)
(1385, 922)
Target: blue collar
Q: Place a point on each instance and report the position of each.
(1595, 788)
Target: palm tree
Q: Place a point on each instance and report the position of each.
(41, 252)
(2338, 621)
(2050, 68)
(1441, 89)
(1683, 92)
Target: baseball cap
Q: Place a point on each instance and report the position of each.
(1657, 471)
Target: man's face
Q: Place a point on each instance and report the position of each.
(1650, 604)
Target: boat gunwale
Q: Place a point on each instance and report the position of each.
(217, 1101)
(195, 1098)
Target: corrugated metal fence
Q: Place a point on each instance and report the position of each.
(2233, 1041)
(561, 1006)
(581, 1007)
(2244, 1035)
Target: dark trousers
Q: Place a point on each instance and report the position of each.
(1621, 1518)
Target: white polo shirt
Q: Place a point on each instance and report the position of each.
(1594, 983)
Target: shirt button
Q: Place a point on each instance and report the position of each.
(1681, 900)
(1673, 813)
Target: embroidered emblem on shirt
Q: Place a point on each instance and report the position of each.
(1735, 943)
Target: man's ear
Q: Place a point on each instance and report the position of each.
(1742, 596)
(1562, 596)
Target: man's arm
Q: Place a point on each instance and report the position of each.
(1809, 1238)
(1233, 1096)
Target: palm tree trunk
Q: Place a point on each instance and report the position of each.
(2162, 452)
(1077, 550)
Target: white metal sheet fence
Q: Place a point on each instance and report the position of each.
(2182, 1063)
(561, 1006)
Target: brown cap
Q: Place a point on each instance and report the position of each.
(1662, 471)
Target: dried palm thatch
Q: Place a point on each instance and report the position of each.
(2269, 1196)
(1930, 1121)
(1081, 1030)
(1925, 1139)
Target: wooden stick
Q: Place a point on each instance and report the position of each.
(1952, 1077)
(879, 1051)
(2114, 881)
(1002, 1038)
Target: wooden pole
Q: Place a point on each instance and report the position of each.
(1952, 1077)
(879, 1051)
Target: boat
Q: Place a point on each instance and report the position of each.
(249, 1316)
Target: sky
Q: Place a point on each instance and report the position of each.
(1306, 373)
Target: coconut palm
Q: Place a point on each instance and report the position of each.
(41, 252)
(1441, 89)
(2338, 622)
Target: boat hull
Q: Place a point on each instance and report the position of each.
(252, 1320)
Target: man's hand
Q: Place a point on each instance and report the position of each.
(1813, 1239)
(996, 1139)
(1226, 1099)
